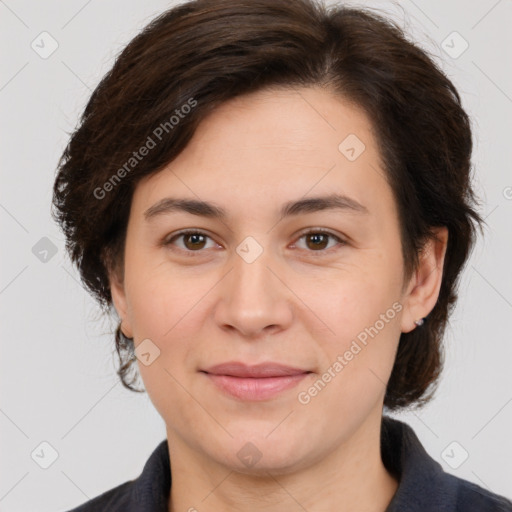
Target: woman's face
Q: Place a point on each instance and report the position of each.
(253, 287)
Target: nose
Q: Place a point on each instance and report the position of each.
(254, 298)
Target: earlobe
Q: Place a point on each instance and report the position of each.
(426, 282)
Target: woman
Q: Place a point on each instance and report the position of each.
(275, 199)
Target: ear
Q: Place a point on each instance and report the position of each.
(117, 290)
(423, 289)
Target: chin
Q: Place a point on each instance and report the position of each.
(255, 454)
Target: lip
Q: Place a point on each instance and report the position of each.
(256, 382)
(262, 370)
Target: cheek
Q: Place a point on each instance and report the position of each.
(168, 309)
(163, 312)
(357, 361)
(363, 314)
(160, 298)
(355, 301)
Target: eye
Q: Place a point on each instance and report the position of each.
(194, 241)
(318, 238)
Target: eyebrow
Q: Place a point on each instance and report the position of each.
(211, 210)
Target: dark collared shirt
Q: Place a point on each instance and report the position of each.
(423, 485)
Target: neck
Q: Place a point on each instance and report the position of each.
(351, 477)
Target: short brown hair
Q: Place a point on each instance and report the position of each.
(210, 51)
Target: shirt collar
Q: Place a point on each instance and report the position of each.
(417, 473)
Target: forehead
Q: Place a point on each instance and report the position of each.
(307, 119)
(272, 146)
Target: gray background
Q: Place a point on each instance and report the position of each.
(58, 378)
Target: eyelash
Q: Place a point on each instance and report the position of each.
(190, 253)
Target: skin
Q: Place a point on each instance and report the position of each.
(299, 303)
